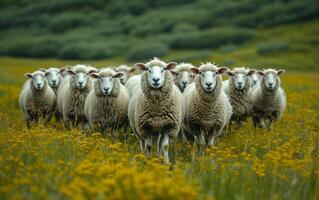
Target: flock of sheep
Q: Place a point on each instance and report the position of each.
(164, 100)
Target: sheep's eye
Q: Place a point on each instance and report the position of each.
(162, 70)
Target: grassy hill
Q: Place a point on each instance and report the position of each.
(140, 29)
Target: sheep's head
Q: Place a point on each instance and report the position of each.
(156, 71)
(240, 76)
(37, 78)
(208, 73)
(183, 75)
(254, 78)
(126, 72)
(80, 76)
(270, 78)
(106, 79)
(53, 77)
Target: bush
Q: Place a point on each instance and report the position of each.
(193, 56)
(184, 27)
(212, 38)
(272, 47)
(89, 51)
(147, 51)
(64, 22)
(37, 47)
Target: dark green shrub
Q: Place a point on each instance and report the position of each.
(90, 51)
(184, 27)
(203, 55)
(212, 38)
(64, 22)
(272, 47)
(147, 51)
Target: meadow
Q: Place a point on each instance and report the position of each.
(52, 163)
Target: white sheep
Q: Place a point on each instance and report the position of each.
(155, 108)
(37, 99)
(127, 71)
(206, 106)
(238, 90)
(183, 75)
(269, 98)
(133, 83)
(72, 94)
(106, 105)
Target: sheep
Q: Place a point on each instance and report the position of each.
(106, 105)
(126, 72)
(133, 83)
(238, 90)
(269, 98)
(206, 106)
(37, 99)
(155, 108)
(72, 95)
(254, 78)
(183, 75)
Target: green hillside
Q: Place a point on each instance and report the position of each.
(233, 32)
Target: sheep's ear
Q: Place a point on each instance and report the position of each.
(118, 75)
(132, 69)
(46, 73)
(28, 75)
(42, 69)
(141, 66)
(229, 73)
(94, 75)
(261, 73)
(194, 70)
(70, 71)
(251, 72)
(171, 65)
(222, 70)
(175, 73)
(93, 71)
(280, 71)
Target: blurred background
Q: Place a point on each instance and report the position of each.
(254, 33)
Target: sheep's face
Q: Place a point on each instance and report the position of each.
(271, 78)
(208, 77)
(80, 78)
(254, 78)
(125, 71)
(53, 77)
(156, 72)
(240, 76)
(38, 79)
(106, 81)
(183, 78)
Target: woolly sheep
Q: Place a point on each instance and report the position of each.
(269, 98)
(205, 105)
(72, 95)
(106, 105)
(37, 99)
(126, 72)
(183, 75)
(155, 107)
(133, 83)
(238, 90)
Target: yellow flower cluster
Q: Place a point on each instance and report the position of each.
(52, 163)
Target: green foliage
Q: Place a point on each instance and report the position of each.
(55, 28)
(212, 38)
(272, 47)
(147, 51)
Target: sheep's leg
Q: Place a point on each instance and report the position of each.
(229, 128)
(142, 145)
(47, 117)
(28, 118)
(211, 140)
(201, 144)
(148, 146)
(163, 146)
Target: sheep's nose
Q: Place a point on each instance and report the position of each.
(270, 84)
(240, 83)
(184, 82)
(209, 84)
(38, 84)
(106, 89)
(156, 80)
(81, 83)
(54, 81)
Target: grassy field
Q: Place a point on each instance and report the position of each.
(52, 163)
